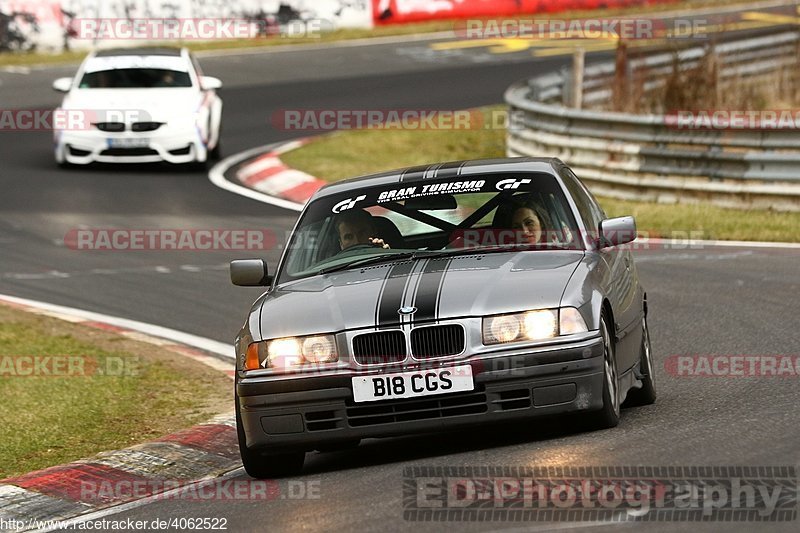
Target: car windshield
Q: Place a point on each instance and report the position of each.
(495, 213)
(135, 78)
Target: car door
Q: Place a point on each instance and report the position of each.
(618, 280)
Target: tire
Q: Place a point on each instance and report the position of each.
(216, 153)
(646, 395)
(262, 465)
(608, 416)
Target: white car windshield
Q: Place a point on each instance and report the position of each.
(135, 78)
(452, 216)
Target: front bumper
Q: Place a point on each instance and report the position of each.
(90, 146)
(304, 413)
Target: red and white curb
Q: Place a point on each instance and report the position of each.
(112, 478)
(261, 175)
(268, 174)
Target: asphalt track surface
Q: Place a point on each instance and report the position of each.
(702, 301)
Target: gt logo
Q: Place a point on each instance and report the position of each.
(503, 185)
(344, 205)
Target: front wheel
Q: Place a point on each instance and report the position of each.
(263, 465)
(608, 415)
(646, 395)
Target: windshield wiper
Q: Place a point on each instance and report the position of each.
(373, 260)
(433, 254)
(496, 249)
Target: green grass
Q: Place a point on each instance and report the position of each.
(49, 420)
(38, 58)
(352, 153)
(707, 222)
(356, 152)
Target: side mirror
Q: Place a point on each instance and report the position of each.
(210, 84)
(250, 273)
(62, 85)
(617, 231)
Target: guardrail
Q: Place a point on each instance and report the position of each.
(650, 157)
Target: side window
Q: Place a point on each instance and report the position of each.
(597, 211)
(587, 207)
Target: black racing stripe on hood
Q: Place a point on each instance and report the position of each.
(430, 286)
(391, 297)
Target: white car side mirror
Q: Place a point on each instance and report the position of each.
(62, 85)
(210, 84)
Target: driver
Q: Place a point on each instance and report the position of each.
(357, 228)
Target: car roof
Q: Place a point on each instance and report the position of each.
(450, 169)
(143, 51)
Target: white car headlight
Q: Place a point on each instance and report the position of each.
(533, 325)
(291, 352)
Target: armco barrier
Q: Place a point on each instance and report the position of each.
(405, 11)
(646, 157)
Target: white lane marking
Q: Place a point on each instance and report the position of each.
(691, 243)
(690, 257)
(160, 269)
(16, 70)
(217, 177)
(349, 43)
(69, 524)
(180, 337)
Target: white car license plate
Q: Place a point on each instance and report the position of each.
(413, 384)
(135, 142)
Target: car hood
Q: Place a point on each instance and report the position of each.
(460, 286)
(150, 104)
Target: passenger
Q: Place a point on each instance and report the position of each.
(357, 228)
(535, 226)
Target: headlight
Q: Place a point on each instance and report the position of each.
(532, 325)
(571, 321)
(291, 352)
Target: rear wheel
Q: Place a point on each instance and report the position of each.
(645, 395)
(263, 465)
(608, 416)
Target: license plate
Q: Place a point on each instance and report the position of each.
(413, 384)
(129, 143)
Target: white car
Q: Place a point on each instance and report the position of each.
(138, 106)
